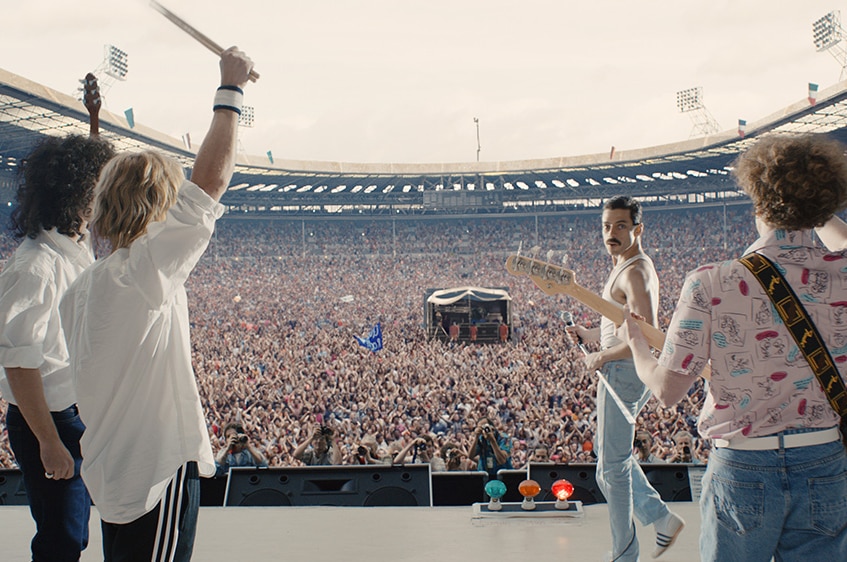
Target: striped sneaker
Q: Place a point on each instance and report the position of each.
(668, 529)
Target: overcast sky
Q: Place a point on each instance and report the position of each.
(402, 81)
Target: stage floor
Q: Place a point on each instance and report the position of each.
(398, 534)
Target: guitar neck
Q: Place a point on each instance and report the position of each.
(555, 280)
(614, 312)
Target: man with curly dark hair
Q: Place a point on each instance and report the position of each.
(53, 206)
(777, 477)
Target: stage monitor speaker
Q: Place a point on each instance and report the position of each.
(370, 485)
(582, 476)
(670, 480)
(458, 487)
(512, 478)
(213, 491)
(12, 490)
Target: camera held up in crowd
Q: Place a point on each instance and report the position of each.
(362, 454)
(241, 439)
(326, 431)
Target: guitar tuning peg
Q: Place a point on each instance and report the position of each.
(534, 251)
(549, 255)
(520, 246)
(565, 259)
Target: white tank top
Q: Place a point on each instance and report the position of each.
(607, 327)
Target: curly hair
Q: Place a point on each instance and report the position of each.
(58, 176)
(134, 190)
(795, 182)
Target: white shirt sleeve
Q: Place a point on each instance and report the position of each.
(161, 260)
(26, 306)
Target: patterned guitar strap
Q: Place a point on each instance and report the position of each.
(804, 332)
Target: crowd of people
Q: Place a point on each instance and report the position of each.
(275, 306)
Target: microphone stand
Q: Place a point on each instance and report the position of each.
(611, 391)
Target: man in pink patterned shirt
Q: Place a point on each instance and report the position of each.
(777, 481)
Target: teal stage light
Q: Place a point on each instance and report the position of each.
(495, 490)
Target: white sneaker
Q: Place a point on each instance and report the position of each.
(668, 529)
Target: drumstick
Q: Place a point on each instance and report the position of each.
(186, 27)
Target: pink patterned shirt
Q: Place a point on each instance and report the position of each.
(761, 384)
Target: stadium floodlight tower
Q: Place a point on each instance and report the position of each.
(114, 66)
(245, 120)
(691, 101)
(246, 117)
(828, 35)
(116, 62)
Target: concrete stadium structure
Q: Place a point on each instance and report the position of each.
(690, 172)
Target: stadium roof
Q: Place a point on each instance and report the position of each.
(690, 171)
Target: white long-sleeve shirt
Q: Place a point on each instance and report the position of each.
(31, 285)
(128, 337)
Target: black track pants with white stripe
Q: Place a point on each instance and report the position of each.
(165, 534)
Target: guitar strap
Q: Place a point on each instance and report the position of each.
(803, 330)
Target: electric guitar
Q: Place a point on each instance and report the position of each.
(93, 102)
(555, 280)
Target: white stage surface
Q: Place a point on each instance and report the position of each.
(398, 534)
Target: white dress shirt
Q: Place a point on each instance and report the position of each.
(128, 336)
(31, 337)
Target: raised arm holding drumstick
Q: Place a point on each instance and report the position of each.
(127, 326)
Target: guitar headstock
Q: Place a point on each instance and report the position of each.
(91, 93)
(551, 279)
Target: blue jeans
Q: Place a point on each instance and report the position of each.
(619, 475)
(60, 508)
(789, 504)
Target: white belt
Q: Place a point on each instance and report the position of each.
(789, 441)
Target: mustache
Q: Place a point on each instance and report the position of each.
(613, 240)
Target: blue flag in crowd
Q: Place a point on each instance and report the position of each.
(374, 341)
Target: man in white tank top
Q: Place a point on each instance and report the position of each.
(633, 281)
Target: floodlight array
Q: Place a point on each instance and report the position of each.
(117, 63)
(246, 117)
(690, 99)
(827, 32)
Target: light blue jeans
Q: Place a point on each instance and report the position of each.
(789, 504)
(619, 476)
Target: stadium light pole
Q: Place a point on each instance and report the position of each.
(478, 146)
(691, 101)
(828, 35)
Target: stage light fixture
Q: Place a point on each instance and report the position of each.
(495, 490)
(529, 489)
(562, 490)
